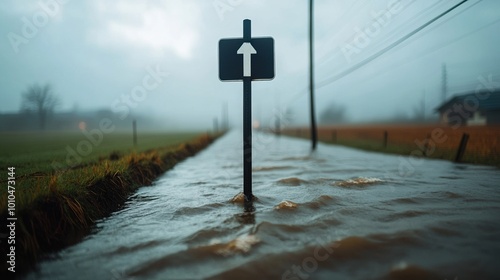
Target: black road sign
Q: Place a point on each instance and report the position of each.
(239, 59)
(246, 59)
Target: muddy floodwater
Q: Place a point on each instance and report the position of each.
(338, 213)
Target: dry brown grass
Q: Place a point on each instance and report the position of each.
(483, 146)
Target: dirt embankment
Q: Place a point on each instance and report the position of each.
(63, 217)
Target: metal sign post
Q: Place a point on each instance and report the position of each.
(246, 59)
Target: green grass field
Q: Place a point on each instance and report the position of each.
(32, 152)
(56, 207)
(42, 166)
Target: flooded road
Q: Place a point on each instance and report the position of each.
(337, 213)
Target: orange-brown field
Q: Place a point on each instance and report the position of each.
(434, 141)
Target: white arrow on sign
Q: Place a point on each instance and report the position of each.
(247, 50)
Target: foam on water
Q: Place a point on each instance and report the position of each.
(286, 204)
(361, 181)
(241, 244)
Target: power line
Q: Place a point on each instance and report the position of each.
(386, 49)
(422, 54)
(328, 56)
(453, 16)
(410, 22)
(325, 58)
(434, 49)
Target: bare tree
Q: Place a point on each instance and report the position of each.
(41, 101)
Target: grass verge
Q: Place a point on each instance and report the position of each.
(60, 207)
(431, 141)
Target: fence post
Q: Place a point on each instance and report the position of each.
(385, 139)
(277, 125)
(461, 147)
(426, 145)
(134, 132)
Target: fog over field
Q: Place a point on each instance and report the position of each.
(96, 53)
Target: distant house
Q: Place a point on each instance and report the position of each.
(475, 108)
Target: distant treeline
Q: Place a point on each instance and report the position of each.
(71, 121)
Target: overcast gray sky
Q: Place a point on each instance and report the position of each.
(95, 52)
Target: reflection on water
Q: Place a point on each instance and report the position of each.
(334, 214)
